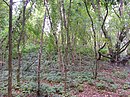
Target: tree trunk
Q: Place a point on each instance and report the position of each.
(18, 69)
(121, 7)
(10, 51)
(53, 31)
(94, 42)
(61, 48)
(40, 56)
(19, 41)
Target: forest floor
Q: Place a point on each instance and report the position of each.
(115, 82)
(111, 81)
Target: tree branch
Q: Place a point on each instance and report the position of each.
(102, 46)
(5, 2)
(100, 54)
(90, 17)
(116, 13)
(106, 56)
(103, 29)
(124, 46)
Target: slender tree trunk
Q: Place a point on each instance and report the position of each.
(63, 24)
(121, 7)
(19, 41)
(94, 42)
(38, 71)
(121, 35)
(18, 69)
(10, 51)
(105, 32)
(93, 5)
(40, 56)
(67, 49)
(60, 44)
(68, 27)
(53, 31)
(73, 49)
(99, 10)
(64, 15)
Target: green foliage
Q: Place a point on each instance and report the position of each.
(50, 45)
(47, 89)
(80, 87)
(54, 13)
(113, 87)
(104, 51)
(126, 86)
(3, 17)
(101, 86)
(85, 51)
(81, 39)
(54, 77)
(31, 77)
(80, 76)
(33, 30)
(66, 94)
(3, 88)
(59, 88)
(27, 49)
(90, 81)
(30, 48)
(121, 75)
(108, 80)
(26, 87)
